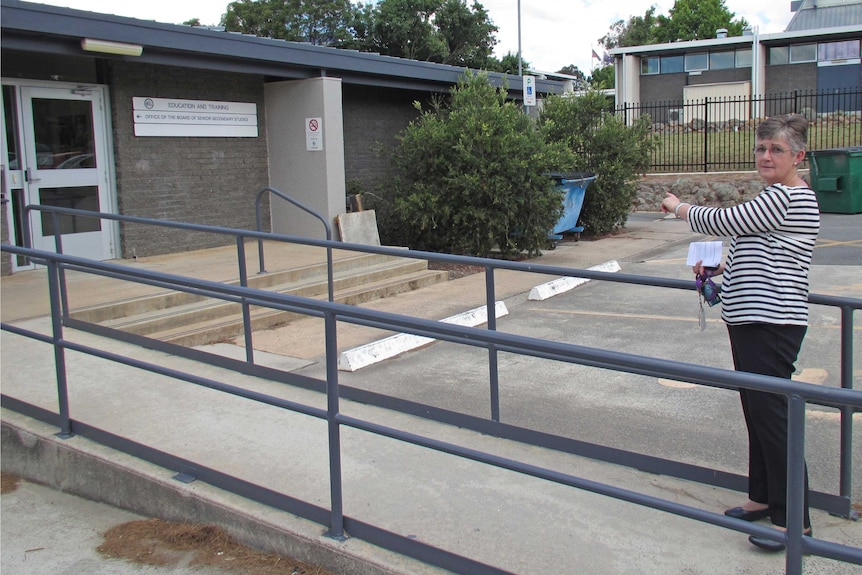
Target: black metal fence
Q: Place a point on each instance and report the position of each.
(717, 134)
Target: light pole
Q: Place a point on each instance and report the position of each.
(520, 70)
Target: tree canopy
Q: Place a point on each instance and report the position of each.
(688, 20)
(444, 31)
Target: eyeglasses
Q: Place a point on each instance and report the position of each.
(773, 151)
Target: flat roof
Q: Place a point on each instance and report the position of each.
(772, 39)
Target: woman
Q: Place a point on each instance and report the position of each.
(764, 296)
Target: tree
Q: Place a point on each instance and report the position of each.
(508, 64)
(444, 31)
(698, 20)
(318, 22)
(580, 79)
(404, 28)
(602, 145)
(468, 33)
(471, 175)
(638, 31)
(688, 20)
(603, 78)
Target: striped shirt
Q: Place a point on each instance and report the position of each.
(766, 273)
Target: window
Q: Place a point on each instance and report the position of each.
(846, 50)
(672, 64)
(743, 58)
(779, 55)
(650, 65)
(721, 60)
(803, 53)
(695, 62)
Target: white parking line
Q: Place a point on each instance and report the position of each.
(368, 354)
(562, 285)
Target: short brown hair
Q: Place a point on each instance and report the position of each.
(790, 127)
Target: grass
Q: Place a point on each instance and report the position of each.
(732, 150)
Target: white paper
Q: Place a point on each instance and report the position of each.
(707, 252)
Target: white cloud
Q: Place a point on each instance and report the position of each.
(554, 33)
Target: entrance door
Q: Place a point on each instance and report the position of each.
(61, 160)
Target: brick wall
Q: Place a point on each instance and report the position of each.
(788, 78)
(209, 181)
(373, 117)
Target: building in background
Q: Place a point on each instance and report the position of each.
(819, 51)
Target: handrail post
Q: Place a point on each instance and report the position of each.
(59, 350)
(493, 370)
(795, 484)
(259, 219)
(336, 527)
(306, 209)
(845, 482)
(246, 309)
(61, 270)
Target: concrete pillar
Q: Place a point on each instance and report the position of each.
(314, 177)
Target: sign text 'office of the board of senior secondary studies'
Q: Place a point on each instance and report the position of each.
(201, 118)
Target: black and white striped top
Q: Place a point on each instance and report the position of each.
(766, 273)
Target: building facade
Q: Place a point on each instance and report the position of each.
(820, 51)
(125, 116)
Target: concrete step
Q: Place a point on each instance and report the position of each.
(189, 319)
(170, 299)
(230, 326)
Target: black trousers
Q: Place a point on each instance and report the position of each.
(767, 349)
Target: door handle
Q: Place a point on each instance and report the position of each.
(29, 179)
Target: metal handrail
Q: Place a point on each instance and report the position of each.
(847, 399)
(326, 226)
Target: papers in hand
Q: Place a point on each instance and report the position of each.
(707, 252)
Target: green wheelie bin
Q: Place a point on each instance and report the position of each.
(836, 178)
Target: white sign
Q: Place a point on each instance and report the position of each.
(529, 90)
(194, 118)
(314, 134)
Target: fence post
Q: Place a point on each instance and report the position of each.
(706, 134)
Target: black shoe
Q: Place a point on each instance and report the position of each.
(740, 513)
(770, 545)
(766, 544)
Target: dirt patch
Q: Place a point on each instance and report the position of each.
(167, 543)
(8, 482)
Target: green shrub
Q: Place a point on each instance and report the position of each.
(472, 176)
(605, 146)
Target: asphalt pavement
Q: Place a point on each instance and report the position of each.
(516, 523)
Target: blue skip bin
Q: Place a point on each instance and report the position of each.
(573, 187)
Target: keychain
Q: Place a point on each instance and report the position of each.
(708, 292)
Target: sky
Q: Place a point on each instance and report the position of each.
(554, 33)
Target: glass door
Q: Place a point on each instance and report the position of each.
(61, 161)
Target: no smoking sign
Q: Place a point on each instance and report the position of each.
(313, 134)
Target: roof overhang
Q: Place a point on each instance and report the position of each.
(734, 42)
(54, 30)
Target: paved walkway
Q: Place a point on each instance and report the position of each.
(517, 523)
